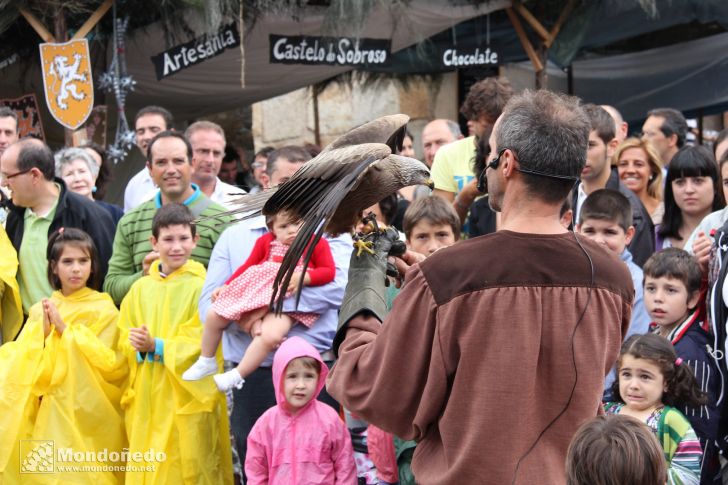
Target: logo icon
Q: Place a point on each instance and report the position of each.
(69, 89)
(36, 456)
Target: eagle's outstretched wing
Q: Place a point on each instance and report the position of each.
(314, 194)
(353, 172)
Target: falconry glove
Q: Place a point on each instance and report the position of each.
(365, 290)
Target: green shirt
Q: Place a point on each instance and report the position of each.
(132, 244)
(33, 266)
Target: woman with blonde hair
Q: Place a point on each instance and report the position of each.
(640, 169)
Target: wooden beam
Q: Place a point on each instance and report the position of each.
(37, 26)
(538, 66)
(93, 20)
(532, 21)
(560, 23)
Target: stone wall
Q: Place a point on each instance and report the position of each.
(289, 119)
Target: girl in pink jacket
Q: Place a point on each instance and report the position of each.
(300, 441)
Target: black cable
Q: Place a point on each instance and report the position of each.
(573, 359)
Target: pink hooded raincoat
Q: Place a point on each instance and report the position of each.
(311, 447)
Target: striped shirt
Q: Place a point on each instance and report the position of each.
(679, 442)
(132, 244)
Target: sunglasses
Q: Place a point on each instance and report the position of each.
(493, 164)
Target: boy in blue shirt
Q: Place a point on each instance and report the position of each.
(606, 218)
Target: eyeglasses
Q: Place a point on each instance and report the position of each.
(12, 175)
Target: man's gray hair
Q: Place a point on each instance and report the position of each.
(68, 155)
(548, 133)
(454, 128)
(204, 125)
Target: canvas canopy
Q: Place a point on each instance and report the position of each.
(213, 84)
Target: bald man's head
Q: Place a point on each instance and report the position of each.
(436, 134)
(621, 128)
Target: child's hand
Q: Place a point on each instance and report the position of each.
(701, 250)
(216, 293)
(46, 319)
(54, 318)
(295, 279)
(141, 340)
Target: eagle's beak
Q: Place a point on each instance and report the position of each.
(430, 184)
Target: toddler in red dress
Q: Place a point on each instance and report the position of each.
(246, 296)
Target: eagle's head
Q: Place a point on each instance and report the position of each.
(411, 171)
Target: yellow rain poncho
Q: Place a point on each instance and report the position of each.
(64, 390)
(11, 310)
(186, 421)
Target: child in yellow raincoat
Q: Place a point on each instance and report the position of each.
(180, 426)
(60, 381)
(11, 310)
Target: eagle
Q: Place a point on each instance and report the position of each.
(330, 192)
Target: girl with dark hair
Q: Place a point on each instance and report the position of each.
(61, 379)
(692, 191)
(651, 383)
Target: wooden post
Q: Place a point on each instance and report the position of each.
(559, 23)
(535, 60)
(93, 20)
(570, 79)
(37, 26)
(532, 21)
(538, 59)
(542, 78)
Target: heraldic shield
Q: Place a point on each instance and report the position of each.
(69, 88)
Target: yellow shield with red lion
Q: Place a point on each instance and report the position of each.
(69, 88)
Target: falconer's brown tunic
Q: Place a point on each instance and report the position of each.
(475, 359)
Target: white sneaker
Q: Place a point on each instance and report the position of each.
(205, 366)
(228, 380)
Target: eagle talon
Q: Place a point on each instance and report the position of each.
(363, 246)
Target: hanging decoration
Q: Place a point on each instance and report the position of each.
(117, 81)
(29, 121)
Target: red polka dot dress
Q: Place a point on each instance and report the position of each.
(253, 287)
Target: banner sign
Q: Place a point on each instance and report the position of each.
(330, 51)
(29, 122)
(195, 51)
(69, 88)
(469, 56)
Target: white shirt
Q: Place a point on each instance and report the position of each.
(581, 197)
(140, 189)
(225, 193)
